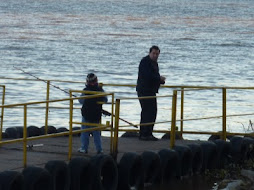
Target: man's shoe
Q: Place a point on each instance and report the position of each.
(81, 150)
(153, 138)
(100, 152)
(143, 138)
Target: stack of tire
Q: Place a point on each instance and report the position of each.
(98, 172)
(133, 171)
(17, 132)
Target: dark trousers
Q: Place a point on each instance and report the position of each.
(148, 113)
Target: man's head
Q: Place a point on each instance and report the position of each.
(154, 53)
(91, 79)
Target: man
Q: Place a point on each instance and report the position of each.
(148, 83)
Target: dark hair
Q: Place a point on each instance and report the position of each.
(154, 47)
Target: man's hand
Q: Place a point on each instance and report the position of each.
(162, 79)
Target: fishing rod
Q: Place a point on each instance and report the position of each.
(104, 112)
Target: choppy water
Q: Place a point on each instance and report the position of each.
(202, 42)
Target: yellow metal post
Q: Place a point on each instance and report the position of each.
(182, 111)
(112, 121)
(173, 120)
(115, 143)
(70, 127)
(224, 113)
(2, 113)
(47, 108)
(25, 137)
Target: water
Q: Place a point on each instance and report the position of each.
(202, 42)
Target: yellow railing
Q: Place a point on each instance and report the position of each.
(115, 128)
(2, 112)
(224, 115)
(25, 139)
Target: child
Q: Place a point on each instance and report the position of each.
(91, 113)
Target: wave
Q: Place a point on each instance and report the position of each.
(238, 44)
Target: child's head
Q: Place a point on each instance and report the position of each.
(91, 79)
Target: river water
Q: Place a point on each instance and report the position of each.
(202, 42)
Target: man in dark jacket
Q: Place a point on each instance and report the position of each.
(148, 83)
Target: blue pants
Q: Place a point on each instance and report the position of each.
(84, 137)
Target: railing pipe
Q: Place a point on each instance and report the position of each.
(173, 119)
(70, 127)
(47, 108)
(182, 112)
(112, 121)
(2, 113)
(115, 143)
(25, 137)
(224, 113)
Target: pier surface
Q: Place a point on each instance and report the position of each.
(56, 148)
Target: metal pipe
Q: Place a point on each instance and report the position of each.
(173, 120)
(25, 138)
(115, 146)
(182, 112)
(224, 113)
(47, 108)
(70, 128)
(2, 113)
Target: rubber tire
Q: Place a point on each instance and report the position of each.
(80, 176)
(11, 132)
(177, 136)
(239, 149)
(36, 178)
(185, 156)
(224, 150)
(60, 173)
(151, 162)
(5, 135)
(249, 142)
(33, 131)
(74, 129)
(209, 150)
(104, 173)
(130, 172)
(11, 180)
(130, 134)
(62, 129)
(19, 132)
(170, 166)
(197, 158)
(51, 130)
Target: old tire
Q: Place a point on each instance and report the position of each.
(170, 166)
(11, 180)
(19, 132)
(36, 178)
(223, 150)
(103, 170)
(11, 132)
(185, 157)
(239, 149)
(60, 174)
(197, 158)
(130, 134)
(33, 131)
(151, 162)
(209, 150)
(51, 130)
(80, 176)
(130, 172)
